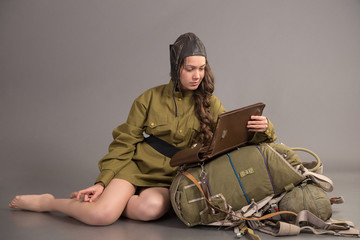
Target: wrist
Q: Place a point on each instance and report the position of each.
(101, 184)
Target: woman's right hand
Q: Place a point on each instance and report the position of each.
(89, 194)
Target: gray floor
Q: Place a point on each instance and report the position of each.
(17, 224)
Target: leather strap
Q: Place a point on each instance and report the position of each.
(161, 146)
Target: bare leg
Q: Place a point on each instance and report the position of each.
(106, 210)
(150, 204)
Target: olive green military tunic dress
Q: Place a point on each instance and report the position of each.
(153, 113)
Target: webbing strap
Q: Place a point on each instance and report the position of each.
(320, 180)
(316, 226)
(340, 222)
(251, 209)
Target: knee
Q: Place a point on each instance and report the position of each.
(153, 208)
(102, 217)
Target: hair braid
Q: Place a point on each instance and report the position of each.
(202, 97)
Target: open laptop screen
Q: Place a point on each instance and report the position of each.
(231, 129)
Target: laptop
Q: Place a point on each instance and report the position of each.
(230, 132)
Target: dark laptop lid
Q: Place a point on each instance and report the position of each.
(231, 130)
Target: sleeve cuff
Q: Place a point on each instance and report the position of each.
(267, 136)
(105, 177)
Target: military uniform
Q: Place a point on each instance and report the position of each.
(153, 113)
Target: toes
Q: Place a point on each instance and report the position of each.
(12, 204)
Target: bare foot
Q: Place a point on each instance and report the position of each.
(36, 203)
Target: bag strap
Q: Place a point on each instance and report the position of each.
(279, 228)
(161, 146)
(314, 224)
(318, 164)
(320, 180)
(340, 228)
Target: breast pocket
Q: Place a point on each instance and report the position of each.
(157, 126)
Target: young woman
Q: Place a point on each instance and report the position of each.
(134, 176)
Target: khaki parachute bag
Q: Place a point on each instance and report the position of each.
(244, 188)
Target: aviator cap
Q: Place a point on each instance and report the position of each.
(186, 45)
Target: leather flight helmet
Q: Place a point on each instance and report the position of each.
(186, 45)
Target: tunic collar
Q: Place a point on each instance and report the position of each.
(170, 88)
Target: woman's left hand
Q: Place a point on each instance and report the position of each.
(257, 124)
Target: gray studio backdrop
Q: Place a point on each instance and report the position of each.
(70, 70)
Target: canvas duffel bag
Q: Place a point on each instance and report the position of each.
(234, 180)
(244, 188)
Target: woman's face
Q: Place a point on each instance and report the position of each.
(192, 72)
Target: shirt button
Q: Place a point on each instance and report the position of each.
(180, 99)
(180, 131)
(152, 124)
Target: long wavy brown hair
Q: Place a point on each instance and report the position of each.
(202, 97)
(205, 90)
